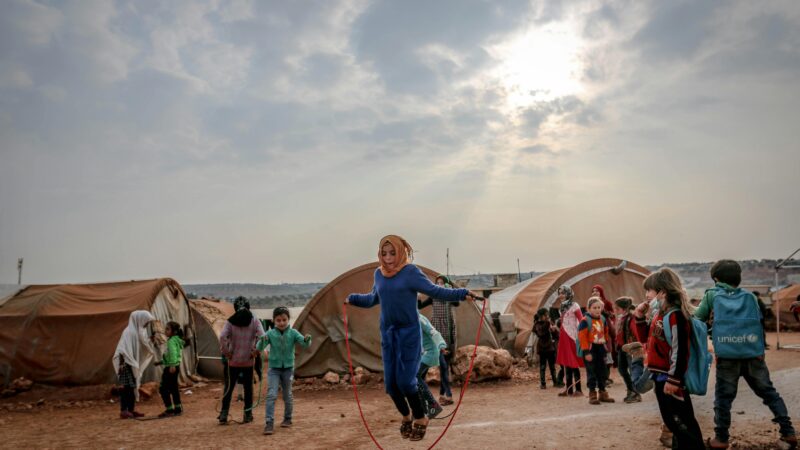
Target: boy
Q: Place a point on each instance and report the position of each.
(727, 275)
(545, 347)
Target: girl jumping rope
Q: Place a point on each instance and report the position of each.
(397, 283)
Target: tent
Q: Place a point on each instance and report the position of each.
(618, 278)
(322, 318)
(209, 316)
(67, 334)
(781, 303)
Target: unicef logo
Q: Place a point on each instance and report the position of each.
(752, 338)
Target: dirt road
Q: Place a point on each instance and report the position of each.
(507, 415)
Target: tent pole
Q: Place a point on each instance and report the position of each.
(778, 314)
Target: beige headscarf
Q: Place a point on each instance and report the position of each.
(403, 250)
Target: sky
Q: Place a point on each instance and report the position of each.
(273, 141)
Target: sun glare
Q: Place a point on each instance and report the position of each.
(540, 65)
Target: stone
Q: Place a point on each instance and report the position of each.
(433, 377)
(21, 385)
(148, 390)
(490, 364)
(361, 376)
(331, 378)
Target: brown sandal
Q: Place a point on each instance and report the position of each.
(419, 432)
(405, 429)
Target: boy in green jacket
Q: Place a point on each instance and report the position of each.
(281, 341)
(169, 390)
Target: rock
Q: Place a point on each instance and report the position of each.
(21, 384)
(362, 376)
(148, 390)
(331, 378)
(489, 363)
(187, 392)
(434, 376)
(309, 380)
(8, 393)
(40, 402)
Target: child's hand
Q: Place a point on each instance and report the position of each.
(589, 358)
(172, 369)
(346, 300)
(670, 389)
(158, 363)
(307, 338)
(641, 310)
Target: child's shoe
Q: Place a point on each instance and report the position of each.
(634, 349)
(268, 428)
(178, 410)
(137, 414)
(435, 410)
(788, 442)
(125, 415)
(248, 417)
(167, 413)
(666, 436)
(287, 423)
(444, 401)
(605, 398)
(542, 386)
(223, 417)
(593, 398)
(717, 443)
(632, 397)
(577, 393)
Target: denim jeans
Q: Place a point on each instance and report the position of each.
(756, 374)
(423, 389)
(279, 378)
(624, 368)
(640, 376)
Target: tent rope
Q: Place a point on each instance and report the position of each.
(460, 397)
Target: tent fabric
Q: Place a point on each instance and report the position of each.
(322, 318)
(67, 334)
(617, 276)
(782, 301)
(209, 317)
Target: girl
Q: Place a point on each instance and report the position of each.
(626, 334)
(237, 344)
(281, 340)
(432, 347)
(667, 361)
(397, 283)
(170, 393)
(443, 320)
(545, 347)
(132, 355)
(594, 337)
(567, 355)
(608, 313)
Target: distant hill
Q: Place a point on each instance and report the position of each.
(260, 296)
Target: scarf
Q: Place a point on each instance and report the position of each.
(568, 298)
(401, 247)
(607, 306)
(241, 318)
(134, 346)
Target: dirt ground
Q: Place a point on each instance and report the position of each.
(509, 415)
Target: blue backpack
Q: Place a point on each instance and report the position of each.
(696, 378)
(737, 332)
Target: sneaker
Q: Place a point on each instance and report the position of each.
(632, 397)
(268, 429)
(634, 349)
(788, 442)
(434, 411)
(137, 414)
(576, 394)
(223, 417)
(542, 386)
(287, 423)
(444, 401)
(167, 413)
(559, 384)
(125, 415)
(178, 410)
(248, 417)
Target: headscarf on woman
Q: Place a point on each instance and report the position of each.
(134, 346)
(403, 250)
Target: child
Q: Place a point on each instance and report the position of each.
(727, 274)
(795, 308)
(668, 361)
(594, 338)
(237, 344)
(432, 347)
(397, 283)
(281, 340)
(443, 321)
(170, 393)
(132, 355)
(608, 313)
(545, 347)
(567, 354)
(626, 334)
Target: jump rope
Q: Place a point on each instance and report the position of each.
(452, 415)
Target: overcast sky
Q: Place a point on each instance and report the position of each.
(236, 141)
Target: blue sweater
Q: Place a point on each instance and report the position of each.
(398, 296)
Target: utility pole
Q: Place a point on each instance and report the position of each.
(519, 272)
(447, 266)
(19, 271)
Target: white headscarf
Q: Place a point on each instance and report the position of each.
(134, 346)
